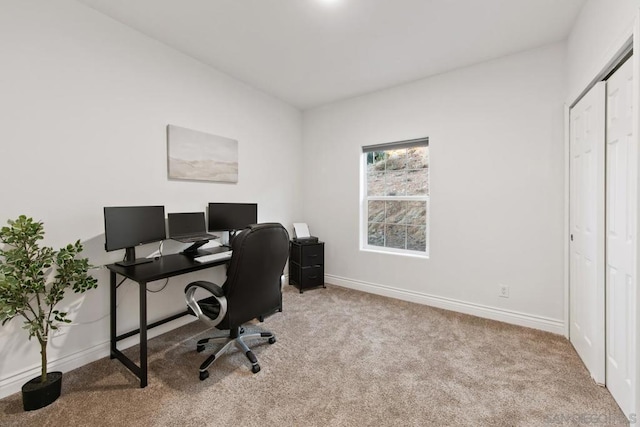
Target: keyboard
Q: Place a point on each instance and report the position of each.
(214, 257)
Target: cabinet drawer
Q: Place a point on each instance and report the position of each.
(307, 254)
(312, 255)
(294, 273)
(312, 276)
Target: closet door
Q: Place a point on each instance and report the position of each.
(621, 237)
(587, 224)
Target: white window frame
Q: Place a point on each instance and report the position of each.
(364, 199)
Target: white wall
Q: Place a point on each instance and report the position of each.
(497, 182)
(84, 105)
(599, 31)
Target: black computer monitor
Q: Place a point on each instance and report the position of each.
(126, 227)
(231, 216)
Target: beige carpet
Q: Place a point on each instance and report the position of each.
(343, 358)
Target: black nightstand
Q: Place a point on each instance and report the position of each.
(306, 265)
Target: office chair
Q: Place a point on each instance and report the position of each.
(253, 289)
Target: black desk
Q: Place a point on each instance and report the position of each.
(162, 268)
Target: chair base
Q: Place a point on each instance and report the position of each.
(236, 337)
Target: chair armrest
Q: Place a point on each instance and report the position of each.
(214, 290)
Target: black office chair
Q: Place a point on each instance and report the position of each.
(253, 289)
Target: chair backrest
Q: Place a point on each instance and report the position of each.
(252, 287)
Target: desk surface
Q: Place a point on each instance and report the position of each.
(163, 267)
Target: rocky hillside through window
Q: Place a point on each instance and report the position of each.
(401, 179)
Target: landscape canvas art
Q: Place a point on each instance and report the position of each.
(200, 156)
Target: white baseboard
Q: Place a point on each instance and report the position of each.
(13, 383)
(513, 317)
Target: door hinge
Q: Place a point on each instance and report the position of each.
(572, 237)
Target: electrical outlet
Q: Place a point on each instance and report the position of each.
(503, 291)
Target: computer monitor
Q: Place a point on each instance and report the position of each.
(232, 216)
(126, 227)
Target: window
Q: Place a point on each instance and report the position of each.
(396, 197)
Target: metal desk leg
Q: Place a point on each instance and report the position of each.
(112, 309)
(143, 334)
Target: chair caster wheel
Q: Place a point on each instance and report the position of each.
(204, 375)
(255, 368)
(200, 348)
(272, 340)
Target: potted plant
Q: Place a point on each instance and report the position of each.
(33, 279)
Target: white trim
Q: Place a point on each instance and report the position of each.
(392, 251)
(555, 326)
(635, 392)
(612, 53)
(13, 383)
(567, 226)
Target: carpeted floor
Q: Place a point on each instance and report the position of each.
(343, 358)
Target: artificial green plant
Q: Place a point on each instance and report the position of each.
(33, 279)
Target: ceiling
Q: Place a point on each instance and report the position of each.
(313, 52)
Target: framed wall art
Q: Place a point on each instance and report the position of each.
(195, 155)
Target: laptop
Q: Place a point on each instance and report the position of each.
(188, 227)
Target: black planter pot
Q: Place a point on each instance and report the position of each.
(36, 395)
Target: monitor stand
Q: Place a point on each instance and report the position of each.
(130, 258)
(195, 251)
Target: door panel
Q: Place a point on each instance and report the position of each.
(620, 240)
(587, 224)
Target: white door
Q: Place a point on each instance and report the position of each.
(586, 221)
(621, 237)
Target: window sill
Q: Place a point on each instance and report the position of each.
(391, 252)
